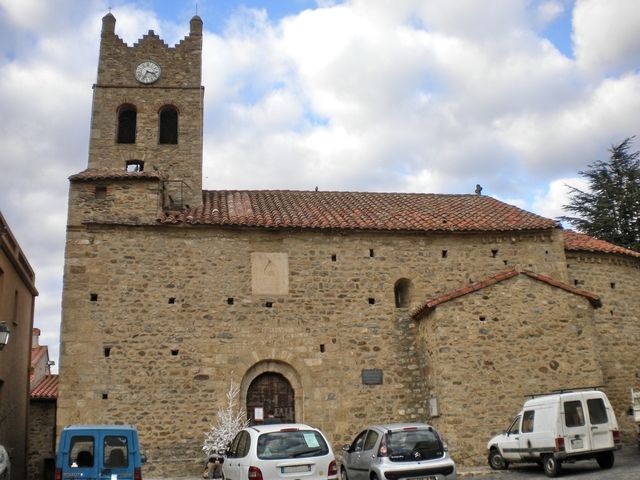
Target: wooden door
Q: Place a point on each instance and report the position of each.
(274, 394)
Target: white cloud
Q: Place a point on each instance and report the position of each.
(418, 95)
(550, 203)
(606, 35)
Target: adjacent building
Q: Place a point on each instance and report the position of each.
(337, 309)
(17, 297)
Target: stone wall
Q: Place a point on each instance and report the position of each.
(158, 320)
(486, 351)
(41, 452)
(615, 278)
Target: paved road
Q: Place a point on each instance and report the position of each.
(626, 467)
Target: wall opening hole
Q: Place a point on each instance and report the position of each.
(322, 347)
(107, 351)
(230, 301)
(482, 318)
(444, 254)
(334, 257)
(105, 396)
(371, 254)
(174, 352)
(402, 291)
(172, 300)
(546, 252)
(494, 252)
(576, 282)
(372, 301)
(268, 304)
(100, 192)
(93, 297)
(134, 166)
(613, 284)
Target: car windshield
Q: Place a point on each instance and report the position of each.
(413, 445)
(291, 444)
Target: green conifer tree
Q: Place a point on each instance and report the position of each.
(610, 209)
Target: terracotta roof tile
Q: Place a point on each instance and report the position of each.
(580, 242)
(47, 388)
(431, 304)
(92, 174)
(358, 211)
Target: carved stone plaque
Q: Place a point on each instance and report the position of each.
(269, 273)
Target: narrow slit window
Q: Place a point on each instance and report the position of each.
(445, 253)
(371, 253)
(168, 134)
(230, 301)
(107, 351)
(372, 301)
(100, 192)
(402, 292)
(494, 252)
(127, 124)
(334, 257)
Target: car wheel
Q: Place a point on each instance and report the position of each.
(605, 459)
(496, 460)
(551, 466)
(374, 476)
(343, 474)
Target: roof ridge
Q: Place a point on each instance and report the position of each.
(430, 305)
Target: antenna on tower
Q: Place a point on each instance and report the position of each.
(196, 8)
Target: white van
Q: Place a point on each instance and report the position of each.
(560, 427)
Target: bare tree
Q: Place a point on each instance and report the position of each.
(229, 422)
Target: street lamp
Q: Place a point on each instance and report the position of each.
(4, 335)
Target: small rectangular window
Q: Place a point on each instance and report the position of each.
(527, 421)
(597, 411)
(100, 192)
(115, 451)
(573, 414)
(81, 452)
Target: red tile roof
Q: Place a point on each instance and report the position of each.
(357, 211)
(96, 174)
(584, 243)
(47, 388)
(431, 304)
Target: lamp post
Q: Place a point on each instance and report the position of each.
(4, 335)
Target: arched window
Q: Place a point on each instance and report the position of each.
(402, 292)
(168, 125)
(126, 124)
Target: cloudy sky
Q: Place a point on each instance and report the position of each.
(365, 95)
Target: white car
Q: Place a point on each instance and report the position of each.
(559, 428)
(5, 464)
(288, 450)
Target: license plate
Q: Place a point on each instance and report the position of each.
(576, 443)
(430, 477)
(296, 469)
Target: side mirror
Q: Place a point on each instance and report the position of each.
(346, 448)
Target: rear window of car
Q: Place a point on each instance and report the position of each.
(413, 445)
(291, 444)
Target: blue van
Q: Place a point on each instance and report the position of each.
(99, 452)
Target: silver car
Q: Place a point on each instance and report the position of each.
(412, 451)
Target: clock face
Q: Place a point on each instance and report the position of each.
(147, 72)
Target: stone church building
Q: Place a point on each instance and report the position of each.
(337, 309)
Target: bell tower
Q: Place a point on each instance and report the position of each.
(146, 120)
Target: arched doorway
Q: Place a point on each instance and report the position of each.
(273, 393)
